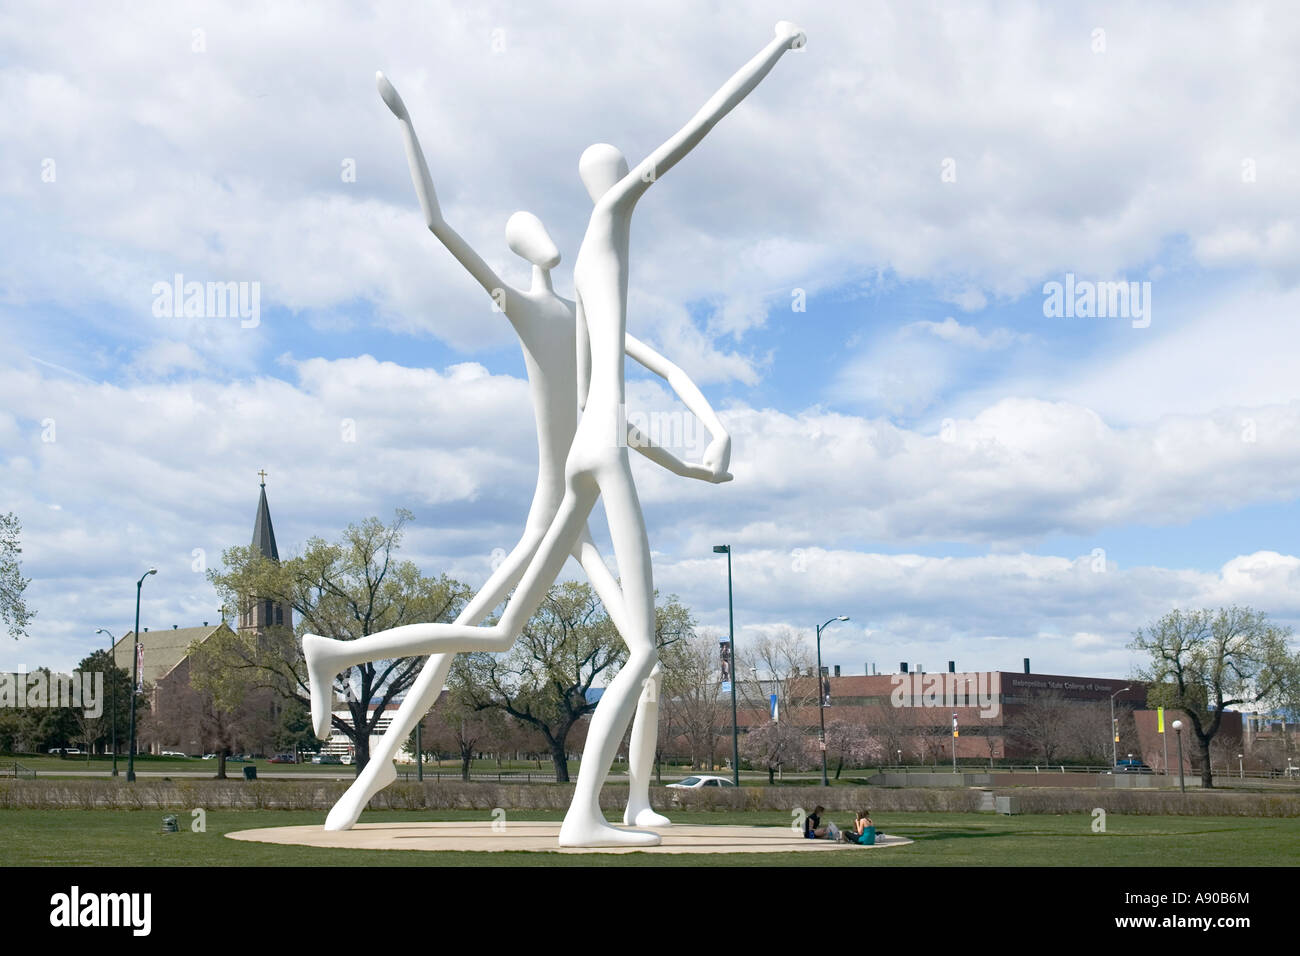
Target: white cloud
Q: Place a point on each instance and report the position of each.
(145, 473)
(967, 336)
(226, 163)
(984, 612)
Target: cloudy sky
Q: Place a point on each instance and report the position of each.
(856, 266)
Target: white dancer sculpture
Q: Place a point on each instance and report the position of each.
(545, 323)
(596, 466)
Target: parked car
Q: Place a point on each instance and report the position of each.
(173, 753)
(695, 783)
(1132, 766)
(209, 756)
(327, 758)
(239, 758)
(284, 758)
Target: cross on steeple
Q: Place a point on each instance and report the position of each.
(262, 473)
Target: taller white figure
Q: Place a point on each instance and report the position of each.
(545, 324)
(597, 465)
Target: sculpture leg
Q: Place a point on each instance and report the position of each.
(641, 755)
(379, 772)
(326, 657)
(584, 824)
(424, 692)
(645, 724)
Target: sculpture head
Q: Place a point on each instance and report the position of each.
(528, 239)
(600, 167)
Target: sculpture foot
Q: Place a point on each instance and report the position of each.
(347, 811)
(596, 832)
(645, 817)
(320, 677)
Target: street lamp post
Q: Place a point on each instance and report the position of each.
(135, 677)
(1114, 730)
(112, 694)
(1241, 767)
(731, 637)
(821, 696)
(1178, 729)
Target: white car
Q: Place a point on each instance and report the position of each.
(695, 783)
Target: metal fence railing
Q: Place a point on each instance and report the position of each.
(409, 775)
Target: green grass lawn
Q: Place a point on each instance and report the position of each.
(133, 838)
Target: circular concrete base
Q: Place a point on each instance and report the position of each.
(542, 837)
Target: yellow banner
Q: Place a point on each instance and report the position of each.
(1160, 720)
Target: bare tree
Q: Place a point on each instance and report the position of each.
(691, 703)
(783, 656)
(455, 724)
(775, 745)
(1205, 662)
(1088, 735)
(1043, 724)
(890, 729)
(847, 742)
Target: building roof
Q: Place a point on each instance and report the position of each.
(163, 650)
(263, 532)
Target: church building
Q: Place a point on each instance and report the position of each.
(178, 719)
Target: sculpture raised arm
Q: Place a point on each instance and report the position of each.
(448, 236)
(635, 183)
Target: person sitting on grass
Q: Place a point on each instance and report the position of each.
(813, 829)
(864, 831)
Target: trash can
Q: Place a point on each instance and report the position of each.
(250, 773)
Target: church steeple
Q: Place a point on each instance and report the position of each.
(260, 613)
(263, 532)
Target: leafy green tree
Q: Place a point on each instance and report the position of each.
(546, 680)
(1204, 662)
(222, 690)
(344, 590)
(42, 726)
(117, 697)
(14, 612)
(293, 732)
(10, 730)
